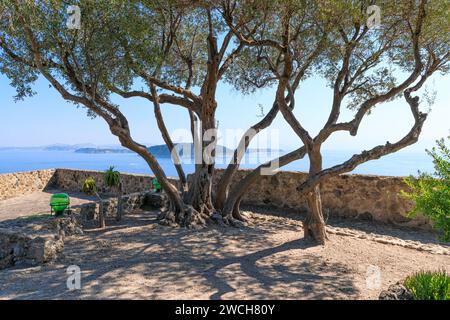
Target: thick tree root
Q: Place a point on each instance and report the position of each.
(188, 218)
(191, 218)
(231, 221)
(240, 216)
(205, 214)
(235, 217)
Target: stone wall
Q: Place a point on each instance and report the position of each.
(350, 195)
(362, 196)
(72, 180)
(15, 184)
(36, 240)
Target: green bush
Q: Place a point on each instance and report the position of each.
(112, 177)
(429, 285)
(89, 186)
(431, 193)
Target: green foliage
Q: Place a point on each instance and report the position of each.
(431, 193)
(118, 39)
(89, 186)
(109, 31)
(112, 177)
(429, 285)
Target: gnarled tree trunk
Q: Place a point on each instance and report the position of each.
(314, 224)
(199, 194)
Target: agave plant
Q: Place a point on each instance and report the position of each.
(112, 177)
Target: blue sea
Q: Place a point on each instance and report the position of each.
(19, 160)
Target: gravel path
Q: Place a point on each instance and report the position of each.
(139, 259)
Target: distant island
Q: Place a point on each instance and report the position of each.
(68, 147)
(101, 150)
(162, 151)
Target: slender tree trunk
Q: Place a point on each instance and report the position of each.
(168, 140)
(101, 212)
(195, 207)
(119, 202)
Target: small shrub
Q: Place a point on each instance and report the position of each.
(89, 186)
(431, 193)
(429, 285)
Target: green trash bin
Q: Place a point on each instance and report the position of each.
(58, 203)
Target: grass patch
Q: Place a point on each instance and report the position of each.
(429, 285)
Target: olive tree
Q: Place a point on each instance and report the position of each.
(364, 67)
(173, 52)
(256, 68)
(178, 52)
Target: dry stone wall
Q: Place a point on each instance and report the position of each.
(71, 180)
(354, 196)
(14, 184)
(34, 241)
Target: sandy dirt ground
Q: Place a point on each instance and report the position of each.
(139, 259)
(36, 203)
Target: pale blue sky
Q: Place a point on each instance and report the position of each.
(47, 119)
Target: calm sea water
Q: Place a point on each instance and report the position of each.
(400, 164)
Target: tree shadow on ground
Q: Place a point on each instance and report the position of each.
(311, 278)
(155, 262)
(374, 227)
